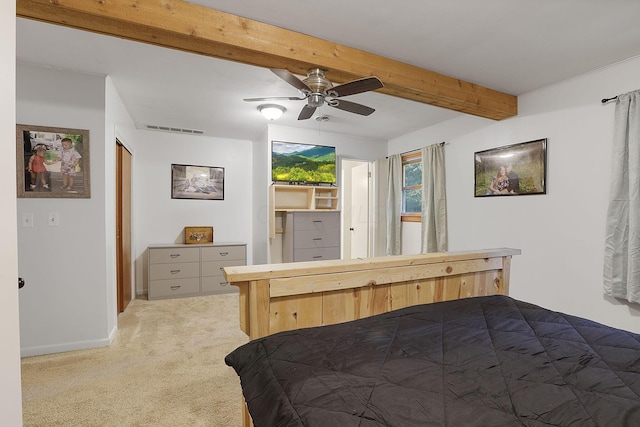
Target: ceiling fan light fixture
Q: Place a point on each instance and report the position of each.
(271, 111)
(315, 100)
(317, 90)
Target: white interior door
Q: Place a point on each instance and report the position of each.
(360, 217)
(356, 209)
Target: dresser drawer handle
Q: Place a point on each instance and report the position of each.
(224, 283)
(175, 287)
(174, 255)
(317, 256)
(224, 253)
(317, 238)
(175, 271)
(317, 220)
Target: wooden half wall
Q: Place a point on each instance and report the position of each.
(281, 297)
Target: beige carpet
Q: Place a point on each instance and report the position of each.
(165, 368)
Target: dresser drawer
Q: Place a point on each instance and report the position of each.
(181, 270)
(219, 253)
(316, 221)
(313, 239)
(174, 287)
(187, 270)
(214, 268)
(217, 285)
(316, 254)
(171, 255)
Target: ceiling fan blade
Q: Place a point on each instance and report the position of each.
(356, 86)
(291, 79)
(306, 112)
(275, 98)
(351, 107)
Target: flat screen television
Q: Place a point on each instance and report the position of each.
(302, 163)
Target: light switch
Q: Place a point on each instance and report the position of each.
(54, 219)
(27, 220)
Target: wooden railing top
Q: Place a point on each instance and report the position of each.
(283, 270)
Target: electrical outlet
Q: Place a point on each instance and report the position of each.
(54, 219)
(27, 220)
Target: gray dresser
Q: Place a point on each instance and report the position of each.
(311, 236)
(189, 270)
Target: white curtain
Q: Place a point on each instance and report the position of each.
(394, 206)
(434, 200)
(379, 214)
(622, 242)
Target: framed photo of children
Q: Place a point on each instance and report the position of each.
(513, 170)
(197, 182)
(52, 162)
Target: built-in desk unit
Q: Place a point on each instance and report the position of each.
(177, 270)
(306, 222)
(293, 198)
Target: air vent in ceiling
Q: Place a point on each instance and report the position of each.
(174, 130)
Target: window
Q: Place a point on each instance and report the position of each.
(412, 186)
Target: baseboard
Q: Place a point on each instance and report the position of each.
(60, 348)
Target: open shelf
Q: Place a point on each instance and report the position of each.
(304, 197)
(291, 198)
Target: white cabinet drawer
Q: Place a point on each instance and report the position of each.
(216, 285)
(313, 239)
(174, 271)
(316, 254)
(316, 221)
(171, 288)
(224, 253)
(170, 255)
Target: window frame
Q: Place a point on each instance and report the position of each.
(410, 158)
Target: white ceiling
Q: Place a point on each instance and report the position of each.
(514, 46)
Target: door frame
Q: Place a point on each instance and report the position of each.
(346, 195)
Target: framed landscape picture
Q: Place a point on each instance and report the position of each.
(197, 182)
(52, 162)
(513, 170)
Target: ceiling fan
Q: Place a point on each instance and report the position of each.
(318, 90)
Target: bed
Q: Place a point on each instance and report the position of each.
(419, 341)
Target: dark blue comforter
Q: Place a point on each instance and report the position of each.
(486, 361)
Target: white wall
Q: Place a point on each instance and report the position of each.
(261, 174)
(561, 234)
(161, 219)
(67, 303)
(10, 390)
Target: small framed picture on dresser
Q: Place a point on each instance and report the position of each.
(198, 235)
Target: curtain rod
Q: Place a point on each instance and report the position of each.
(443, 143)
(605, 100)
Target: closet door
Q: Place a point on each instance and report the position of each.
(123, 225)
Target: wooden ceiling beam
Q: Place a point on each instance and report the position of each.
(193, 28)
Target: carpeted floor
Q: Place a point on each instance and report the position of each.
(165, 368)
